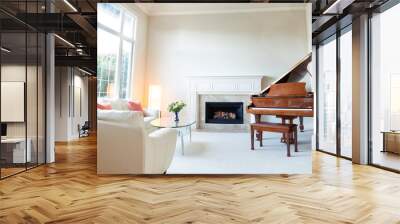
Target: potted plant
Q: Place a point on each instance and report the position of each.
(176, 107)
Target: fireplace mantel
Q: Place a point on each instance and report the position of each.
(219, 85)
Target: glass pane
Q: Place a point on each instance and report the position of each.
(385, 86)
(109, 15)
(31, 100)
(107, 57)
(126, 62)
(13, 79)
(346, 94)
(327, 97)
(129, 23)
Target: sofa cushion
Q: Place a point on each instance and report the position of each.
(151, 113)
(119, 104)
(104, 101)
(134, 118)
(134, 106)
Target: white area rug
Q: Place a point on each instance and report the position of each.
(229, 153)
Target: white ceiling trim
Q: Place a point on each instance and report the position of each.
(150, 12)
(143, 8)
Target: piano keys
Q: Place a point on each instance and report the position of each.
(281, 111)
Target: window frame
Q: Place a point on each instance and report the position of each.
(122, 38)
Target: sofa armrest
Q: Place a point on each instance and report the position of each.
(161, 149)
(151, 113)
(119, 148)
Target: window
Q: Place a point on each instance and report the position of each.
(116, 41)
(346, 93)
(22, 84)
(335, 94)
(385, 89)
(327, 96)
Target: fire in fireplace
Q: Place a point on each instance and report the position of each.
(224, 112)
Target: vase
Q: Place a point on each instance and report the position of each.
(176, 116)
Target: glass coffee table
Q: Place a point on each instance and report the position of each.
(183, 125)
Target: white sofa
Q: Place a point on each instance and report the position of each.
(125, 147)
(122, 105)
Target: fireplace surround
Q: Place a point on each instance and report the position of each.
(218, 88)
(229, 111)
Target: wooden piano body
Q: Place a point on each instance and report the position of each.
(285, 99)
(284, 104)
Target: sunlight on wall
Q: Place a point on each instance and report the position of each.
(154, 97)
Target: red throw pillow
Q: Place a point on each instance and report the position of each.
(104, 107)
(135, 106)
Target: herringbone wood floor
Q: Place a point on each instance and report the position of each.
(69, 191)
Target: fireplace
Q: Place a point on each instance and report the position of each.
(224, 112)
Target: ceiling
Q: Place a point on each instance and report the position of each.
(77, 24)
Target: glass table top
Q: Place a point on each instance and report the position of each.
(391, 132)
(169, 122)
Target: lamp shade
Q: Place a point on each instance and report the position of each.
(154, 101)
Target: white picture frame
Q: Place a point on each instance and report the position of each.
(12, 101)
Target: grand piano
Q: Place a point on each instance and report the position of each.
(286, 98)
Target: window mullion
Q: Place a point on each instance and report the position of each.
(119, 60)
(119, 74)
(131, 62)
(115, 32)
(129, 79)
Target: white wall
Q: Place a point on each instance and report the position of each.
(81, 104)
(247, 43)
(67, 115)
(82, 83)
(61, 103)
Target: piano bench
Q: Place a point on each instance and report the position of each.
(287, 130)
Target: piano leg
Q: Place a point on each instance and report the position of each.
(301, 124)
(258, 119)
(295, 140)
(252, 137)
(290, 119)
(283, 139)
(288, 143)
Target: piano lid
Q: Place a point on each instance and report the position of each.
(288, 89)
(296, 69)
